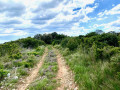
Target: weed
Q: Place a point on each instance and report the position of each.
(22, 72)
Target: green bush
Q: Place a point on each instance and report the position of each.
(116, 62)
(30, 62)
(108, 38)
(31, 42)
(16, 56)
(56, 42)
(114, 50)
(72, 44)
(28, 65)
(106, 53)
(3, 73)
(9, 48)
(38, 48)
(33, 53)
(64, 42)
(58, 46)
(17, 63)
(1, 66)
(66, 52)
(119, 43)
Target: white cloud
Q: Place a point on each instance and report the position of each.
(102, 18)
(2, 41)
(113, 11)
(83, 3)
(49, 14)
(112, 26)
(13, 32)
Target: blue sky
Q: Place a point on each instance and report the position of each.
(23, 18)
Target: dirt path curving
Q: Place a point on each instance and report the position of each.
(33, 74)
(64, 75)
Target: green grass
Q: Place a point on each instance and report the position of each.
(91, 74)
(45, 80)
(18, 66)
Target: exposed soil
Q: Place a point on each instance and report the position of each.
(23, 84)
(65, 76)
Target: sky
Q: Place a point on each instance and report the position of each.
(23, 18)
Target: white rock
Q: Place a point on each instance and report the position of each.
(23, 81)
(15, 77)
(8, 75)
(76, 88)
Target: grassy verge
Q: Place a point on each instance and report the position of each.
(45, 80)
(90, 74)
(13, 69)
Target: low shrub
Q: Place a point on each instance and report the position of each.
(9, 48)
(38, 48)
(1, 66)
(33, 53)
(64, 42)
(30, 62)
(28, 65)
(31, 42)
(72, 44)
(22, 72)
(58, 46)
(16, 56)
(3, 73)
(56, 42)
(17, 63)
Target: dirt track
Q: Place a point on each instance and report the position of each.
(33, 74)
(64, 75)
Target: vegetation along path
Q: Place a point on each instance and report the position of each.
(33, 74)
(64, 75)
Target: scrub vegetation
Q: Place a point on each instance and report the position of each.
(93, 58)
(16, 61)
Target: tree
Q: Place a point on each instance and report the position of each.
(72, 44)
(54, 35)
(91, 34)
(110, 39)
(31, 42)
(38, 36)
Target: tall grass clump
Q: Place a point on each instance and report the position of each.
(94, 68)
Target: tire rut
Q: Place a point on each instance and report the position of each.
(33, 74)
(64, 76)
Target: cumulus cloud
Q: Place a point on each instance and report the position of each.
(12, 9)
(111, 26)
(61, 16)
(11, 31)
(10, 22)
(47, 5)
(113, 11)
(83, 3)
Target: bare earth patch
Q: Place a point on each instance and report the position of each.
(64, 75)
(33, 74)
